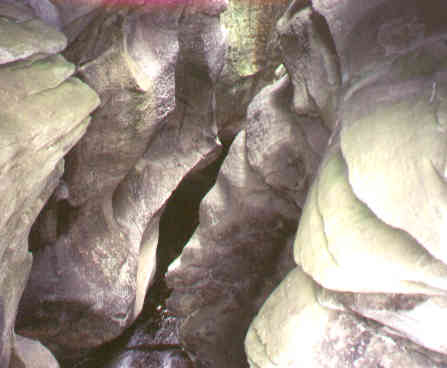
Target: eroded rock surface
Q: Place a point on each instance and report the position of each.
(155, 70)
(246, 222)
(294, 329)
(279, 78)
(45, 111)
(373, 223)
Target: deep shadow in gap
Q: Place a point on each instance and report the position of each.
(178, 222)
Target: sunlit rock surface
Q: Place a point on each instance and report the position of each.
(373, 222)
(44, 112)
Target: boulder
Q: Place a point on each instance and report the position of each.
(315, 336)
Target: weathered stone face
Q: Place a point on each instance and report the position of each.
(44, 113)
(281, 80)
(294, 329)
(310, 57)
(283, 149)
(155, 75)
(216, 279)
(246, 222)
(373, 223)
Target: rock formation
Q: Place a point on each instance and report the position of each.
(155, 71)
(45, 111)
(371, 231)
(320, 243)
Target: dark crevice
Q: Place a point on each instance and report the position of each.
(181, 215)
(178, 222)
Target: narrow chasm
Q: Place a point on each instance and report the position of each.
(152, 339)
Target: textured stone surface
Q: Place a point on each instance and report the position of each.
(311, 60)
(283, 149)
(341, 243)
(156, 77)
(44, 113)
(29, 353)
(95, 257)
(373, 223)
(252, 57)
(217, 280)
(417, 317)
(371, 286)
(19, 41)
(314, 336)
(246, 222)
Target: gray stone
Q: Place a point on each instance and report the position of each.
(155, 125)
(415, 317)
(373, 223)
(315, 336)
(15, 11)
(283, 149)
(47, 11)
(29, 353)
(219, 280)
(93, 263)
(311, 60)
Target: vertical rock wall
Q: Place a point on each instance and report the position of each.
(44, 113)
(370, 283)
